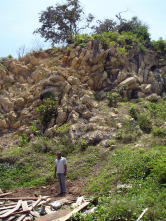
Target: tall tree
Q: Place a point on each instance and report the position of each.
(107, 25)
(61, 22)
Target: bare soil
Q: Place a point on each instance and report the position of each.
(74, 189)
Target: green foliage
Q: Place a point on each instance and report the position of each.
(80, 40)
(112, 98)
(123, 92)
(33, 129)
(108, 25)
(145, 122)
(159, 46)
(47, 110)
(106, 39)
(157, 109)
(139, 173)
(10, 56)
(62, 129)
(62, 22)
(136, 27)
(24, 140)
(121, 51)
(158, 132)
(133, 112)
(141, 49)
(159, 169)
(83, 144)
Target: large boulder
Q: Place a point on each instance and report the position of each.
(62, 117)
(6, 103)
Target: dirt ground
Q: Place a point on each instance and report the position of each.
(74, 189)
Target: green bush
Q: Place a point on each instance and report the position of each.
(158, 132)
(159, 46)
(141, 49)
(121, 51)
(159, 169)
(145, 122)
(24, 140)
(112, 98)
(47, 110)
(133, 112)
(10, 56)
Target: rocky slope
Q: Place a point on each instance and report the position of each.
(74, 77)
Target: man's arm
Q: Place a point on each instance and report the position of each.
(55, 171)
(65, 170)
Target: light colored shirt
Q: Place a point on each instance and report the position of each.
(60, 165)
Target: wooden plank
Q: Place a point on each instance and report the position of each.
(145, 210)
(36, 203)
(42, 202)
(4, 211)
(54, 215)
(64, 218)
(48, 210)
(8, 204)
(64, 201)
(10, 218)
(20, 212)
(34, 213)
(21, 217)
(12, 210)
(5, 194)
(22, 198)
(7, 207)
(28, 218)
(25, 206)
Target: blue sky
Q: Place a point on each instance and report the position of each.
(19, 18)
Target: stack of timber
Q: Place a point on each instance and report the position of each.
(29, 208)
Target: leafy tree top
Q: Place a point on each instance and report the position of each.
(61, 22)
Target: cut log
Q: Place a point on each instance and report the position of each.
(22, 198)
(8, 204)
(5, 194)
(12, 210)
(7, 207)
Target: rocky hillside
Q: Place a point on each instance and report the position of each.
(94, 105)
(76, 77)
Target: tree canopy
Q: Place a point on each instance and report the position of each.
(61, 22)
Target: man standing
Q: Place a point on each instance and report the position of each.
(61, 170)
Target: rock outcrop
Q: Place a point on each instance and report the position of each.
(73, 79)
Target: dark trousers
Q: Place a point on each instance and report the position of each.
(62, 185)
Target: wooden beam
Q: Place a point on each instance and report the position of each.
(12, 210)
(76, 210)
(22, 198)
(36, 203)
(25, 206)
(145, 210)
(8, 204)
(21, 217)
(5, 194)
(34, 213)
(7, 207)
